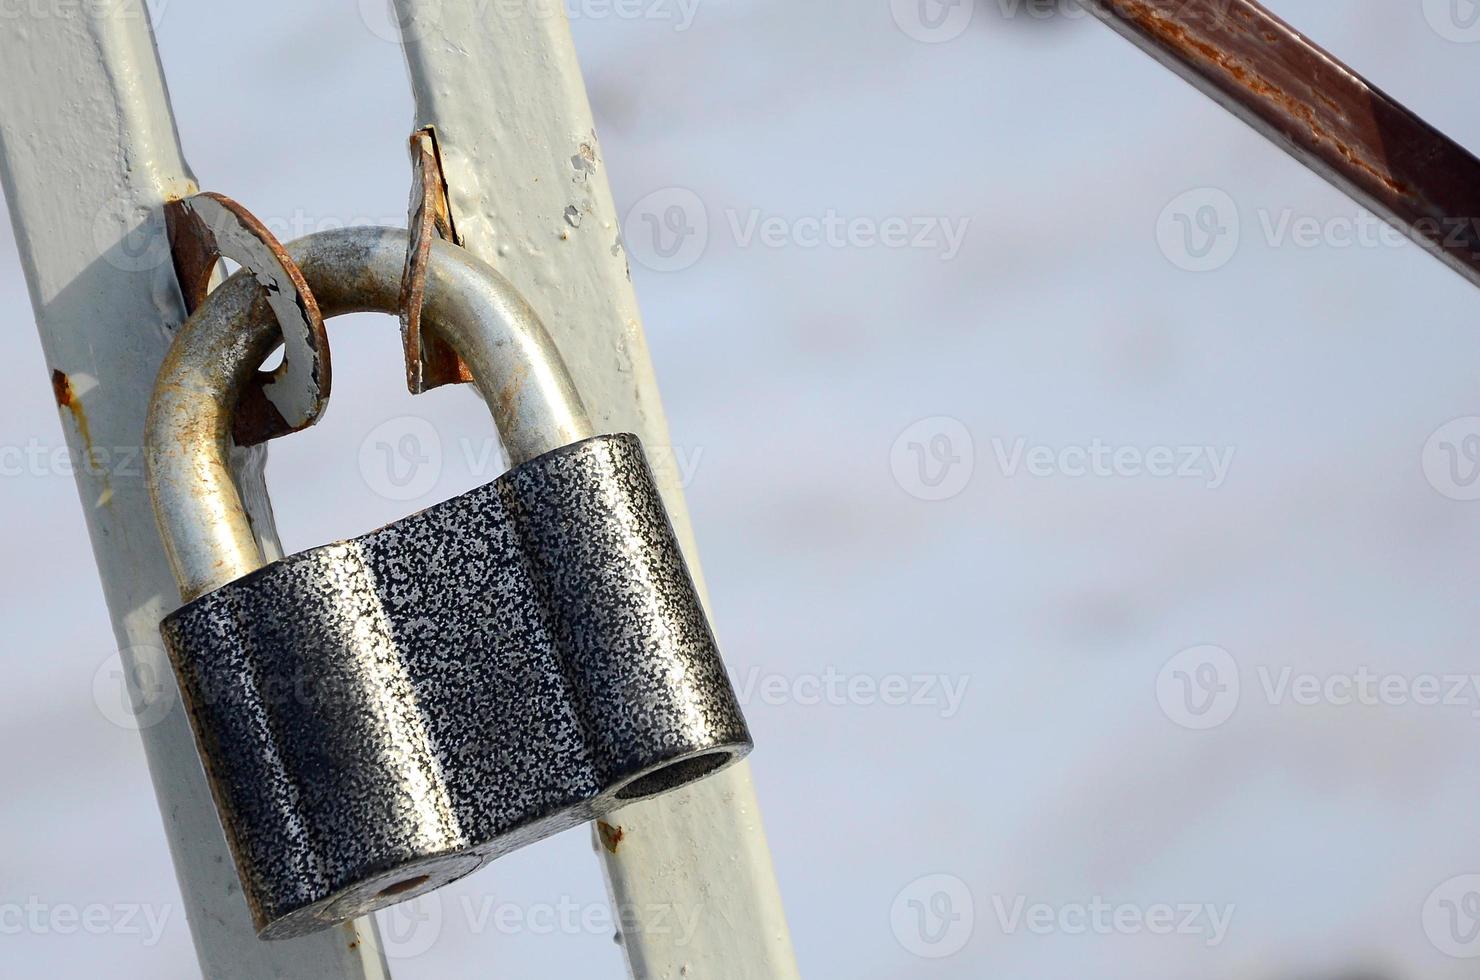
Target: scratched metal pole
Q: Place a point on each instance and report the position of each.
(528, 192)
(1322, 112)
(88, 155)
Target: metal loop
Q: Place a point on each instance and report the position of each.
(207, 227)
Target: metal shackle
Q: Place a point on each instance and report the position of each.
(515, 367)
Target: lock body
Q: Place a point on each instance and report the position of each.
(380, 716)
(383, 715)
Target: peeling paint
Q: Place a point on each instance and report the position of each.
(584, 162)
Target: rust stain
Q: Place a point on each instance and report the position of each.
(61, 388)
(611, 837)
(1163, 28)
(508, 393)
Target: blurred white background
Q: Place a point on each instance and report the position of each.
(886, 447)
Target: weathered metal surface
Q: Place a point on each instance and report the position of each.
(204, 228)
(385, 715)
(501, 84)
(1325, 114)
(430, 363)
(519, 373)
(89, 154)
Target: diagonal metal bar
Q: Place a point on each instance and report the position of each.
(1322, 112)
(88, 157)
(501, 86)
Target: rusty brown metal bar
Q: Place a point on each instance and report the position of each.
(1326, 115)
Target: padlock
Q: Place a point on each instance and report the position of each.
(381, 716)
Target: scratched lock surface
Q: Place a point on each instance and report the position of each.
(384, 715)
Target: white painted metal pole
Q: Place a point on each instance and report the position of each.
(88, 154)
(502, 86)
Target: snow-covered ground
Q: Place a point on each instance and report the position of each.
(975, 455)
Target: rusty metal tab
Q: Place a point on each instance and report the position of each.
(207, 227)
(1322, 112)
(430, 363)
